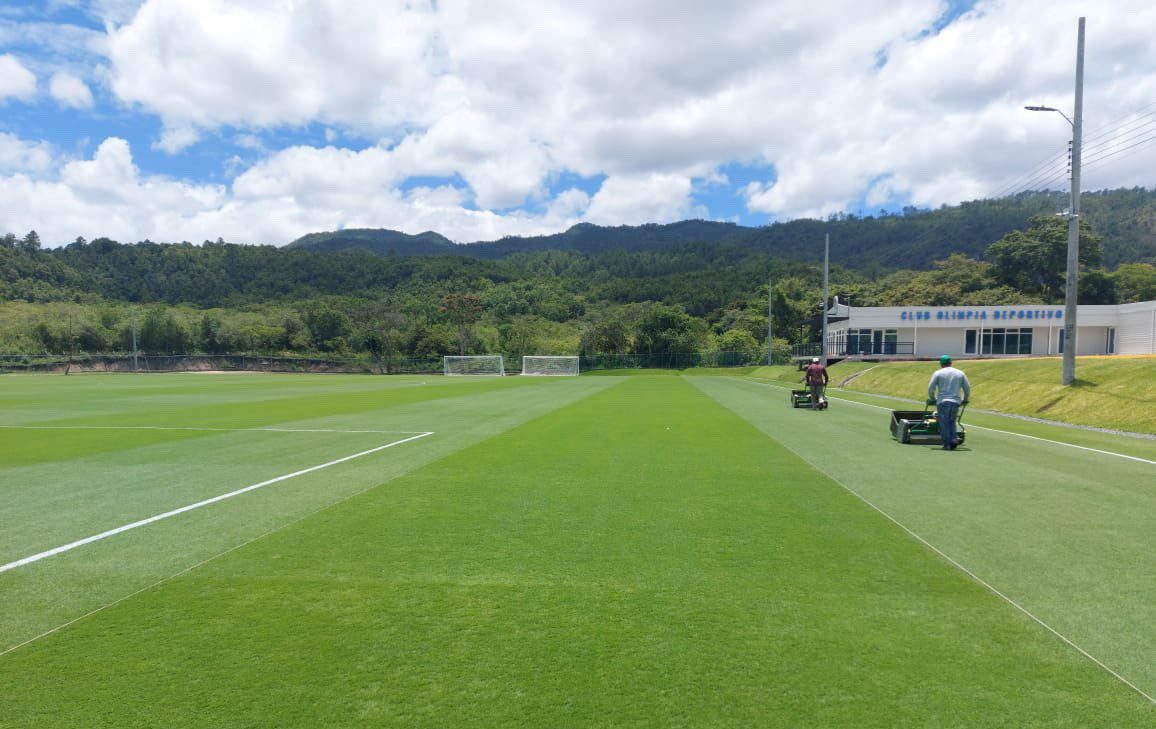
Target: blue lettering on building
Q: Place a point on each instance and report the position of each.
(999, 314)
(982, 315)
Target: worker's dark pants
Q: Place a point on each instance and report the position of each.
(816, 393)
(945, 412)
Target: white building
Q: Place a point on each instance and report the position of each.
(988, 331)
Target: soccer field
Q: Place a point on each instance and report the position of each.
(600, 551)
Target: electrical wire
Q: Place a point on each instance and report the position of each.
(1130, 133)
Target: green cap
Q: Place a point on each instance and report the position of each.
(945, 359)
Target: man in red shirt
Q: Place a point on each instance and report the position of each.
(815, 375)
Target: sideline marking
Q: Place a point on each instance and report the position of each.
(979, 580)
(975, 577)
(993, 430)
(197, 505)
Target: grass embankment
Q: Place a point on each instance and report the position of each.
(1109, 392)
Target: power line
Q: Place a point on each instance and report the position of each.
(1136, 114)
(1033, 180)
(1134, 131)
(1028, 180)
(1147, 141)
(1124, 138)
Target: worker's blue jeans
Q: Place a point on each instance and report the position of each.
(945, 413)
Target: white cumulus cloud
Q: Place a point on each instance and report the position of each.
(16, 81)
(469, 117)
(20, 156)
(70, 91)
(633, 200)
(106, 196)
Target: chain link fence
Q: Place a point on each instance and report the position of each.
(59, 364)
(214, 363)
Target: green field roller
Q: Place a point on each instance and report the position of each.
(802, 399)
(921, 427)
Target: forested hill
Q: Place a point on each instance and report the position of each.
(685, 287)
(698, 265)
(914, 239)
(381, 242)
(581, 238)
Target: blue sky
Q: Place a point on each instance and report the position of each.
(259, 121)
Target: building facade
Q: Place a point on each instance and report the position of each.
(988, 331)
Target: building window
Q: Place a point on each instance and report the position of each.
(969, 341)
(872, 341)
(1007, 341)
(858, 341)
(1110, 344)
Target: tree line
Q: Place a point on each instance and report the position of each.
(218, 298)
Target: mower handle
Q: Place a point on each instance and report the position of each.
(958, 413)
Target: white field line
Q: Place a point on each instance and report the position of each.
(148, 587)
(979, 580)
(1061, 443)
(197, 505)
(183, 571)
(205, 429)
(997, 430)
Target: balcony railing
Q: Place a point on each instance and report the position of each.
(868, 349)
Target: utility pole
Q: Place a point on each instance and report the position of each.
(1071, 289)
(826, 291)
(71, 345)
(1071, 284)
(770, 322)
(135, 363)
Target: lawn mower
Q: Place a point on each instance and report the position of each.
(802, 399)
(922, 427)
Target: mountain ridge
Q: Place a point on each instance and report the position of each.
(915, 238)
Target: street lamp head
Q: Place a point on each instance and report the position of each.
(1051, 108)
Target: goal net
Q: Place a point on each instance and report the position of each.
(482, 364)
(549, 365)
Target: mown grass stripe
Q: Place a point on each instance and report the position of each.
(1063, 536)
(970, 425)
(199, 504)
(80, 481)
(201, 429)
(984, 583)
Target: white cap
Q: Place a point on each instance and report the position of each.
(815, 360)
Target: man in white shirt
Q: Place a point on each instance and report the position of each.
(948, 390)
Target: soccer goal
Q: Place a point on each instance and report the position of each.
(549, 365)
(482, 364)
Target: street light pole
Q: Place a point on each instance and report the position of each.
(1071, 287)
(1071, 290)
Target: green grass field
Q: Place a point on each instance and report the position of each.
(611, 551)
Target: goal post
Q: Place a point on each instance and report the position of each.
(481, 364)
(539, 365)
